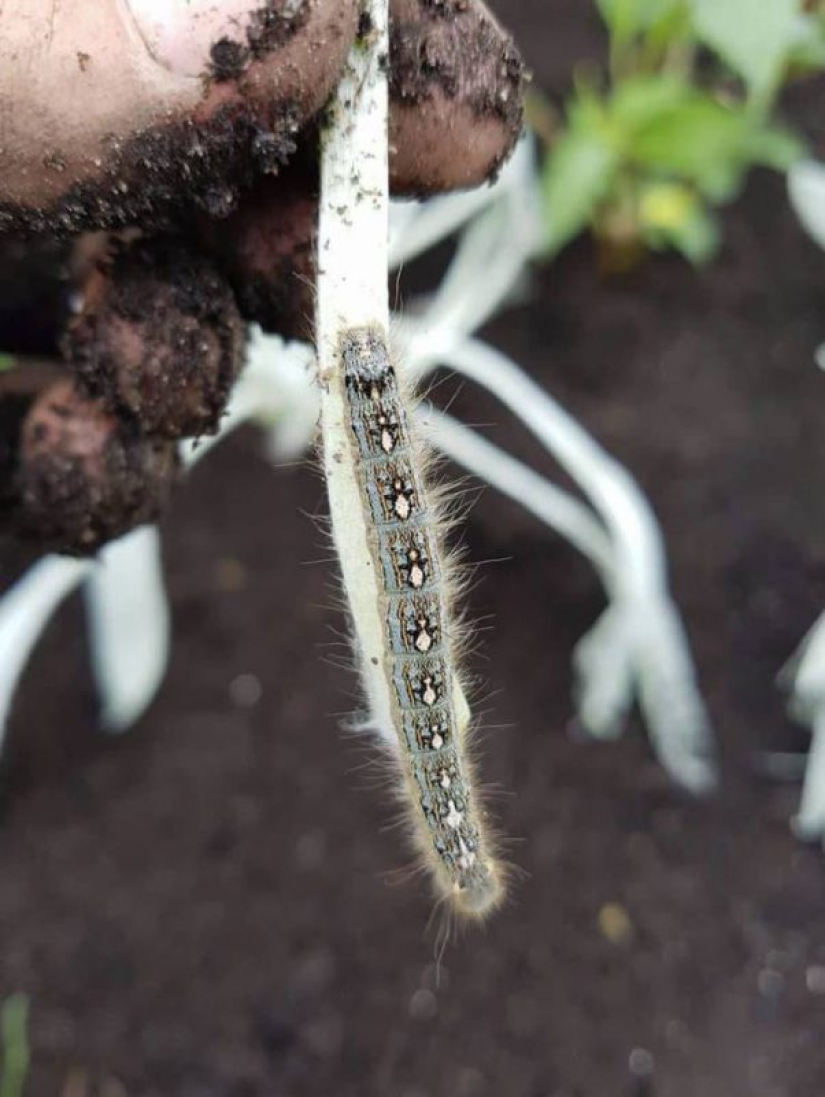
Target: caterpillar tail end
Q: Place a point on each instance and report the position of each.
(481, 892)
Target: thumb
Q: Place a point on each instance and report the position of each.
(117, 110)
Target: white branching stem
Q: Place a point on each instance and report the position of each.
(639, 644)
(354, 206)
(353, 239)
(129, 622)
(24, 613)
(805, 675)
(550, 504)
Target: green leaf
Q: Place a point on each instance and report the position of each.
(697, 239)
(711, 145)
(774, 147)
(672, 215)
(577, 176)
(807, 50)
(586, 110)
(752, 36)
(639, 100)
(627, 18)
(6, 362)
(699, 140)
(673, 27)
(14, 1045)
(666, 206)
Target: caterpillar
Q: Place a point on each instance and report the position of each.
(407, 644)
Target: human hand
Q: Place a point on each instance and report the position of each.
(181, 136)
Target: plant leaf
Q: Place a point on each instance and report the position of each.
(807, 49)
(774, 147)
(672, 215)
(699, 140)
(806, 190)
(697, 239)
(640, 100)
(14, 1045)
(753, 38)
(627, 18)
(578, 174)
(712, 145)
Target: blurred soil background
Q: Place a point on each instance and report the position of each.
(209, 906)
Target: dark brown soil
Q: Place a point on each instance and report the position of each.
(207, 907)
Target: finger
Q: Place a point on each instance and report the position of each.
(266, 249)
(72, 476)
(132, 109)
(456, 88)
(157, 337)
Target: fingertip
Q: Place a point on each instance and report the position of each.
(456, 88)
(266, 249)
(158, 338)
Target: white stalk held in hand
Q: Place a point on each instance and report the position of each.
(386, 530)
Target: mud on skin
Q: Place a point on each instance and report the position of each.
(205, 165)
(456, 84)
(19, 388)
(77, 477)
(159, 338)
(268, 30)
(209, 151)
(450, 45)
(457, 80)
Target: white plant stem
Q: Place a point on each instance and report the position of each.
(25, 610)
(806, 191)
(491, 465)
(353, 224)
(128, 615)
(353, 243)
(805, 675)
(618, 500)
(806, 670)
(809, 822)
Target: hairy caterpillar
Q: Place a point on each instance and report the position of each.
(396, 582)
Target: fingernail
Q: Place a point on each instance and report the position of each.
(181, 35)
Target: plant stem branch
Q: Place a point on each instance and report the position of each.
(353, 251)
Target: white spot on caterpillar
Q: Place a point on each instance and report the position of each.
(423, 640)
(416, 571)
(467, 858)
(429, 696)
